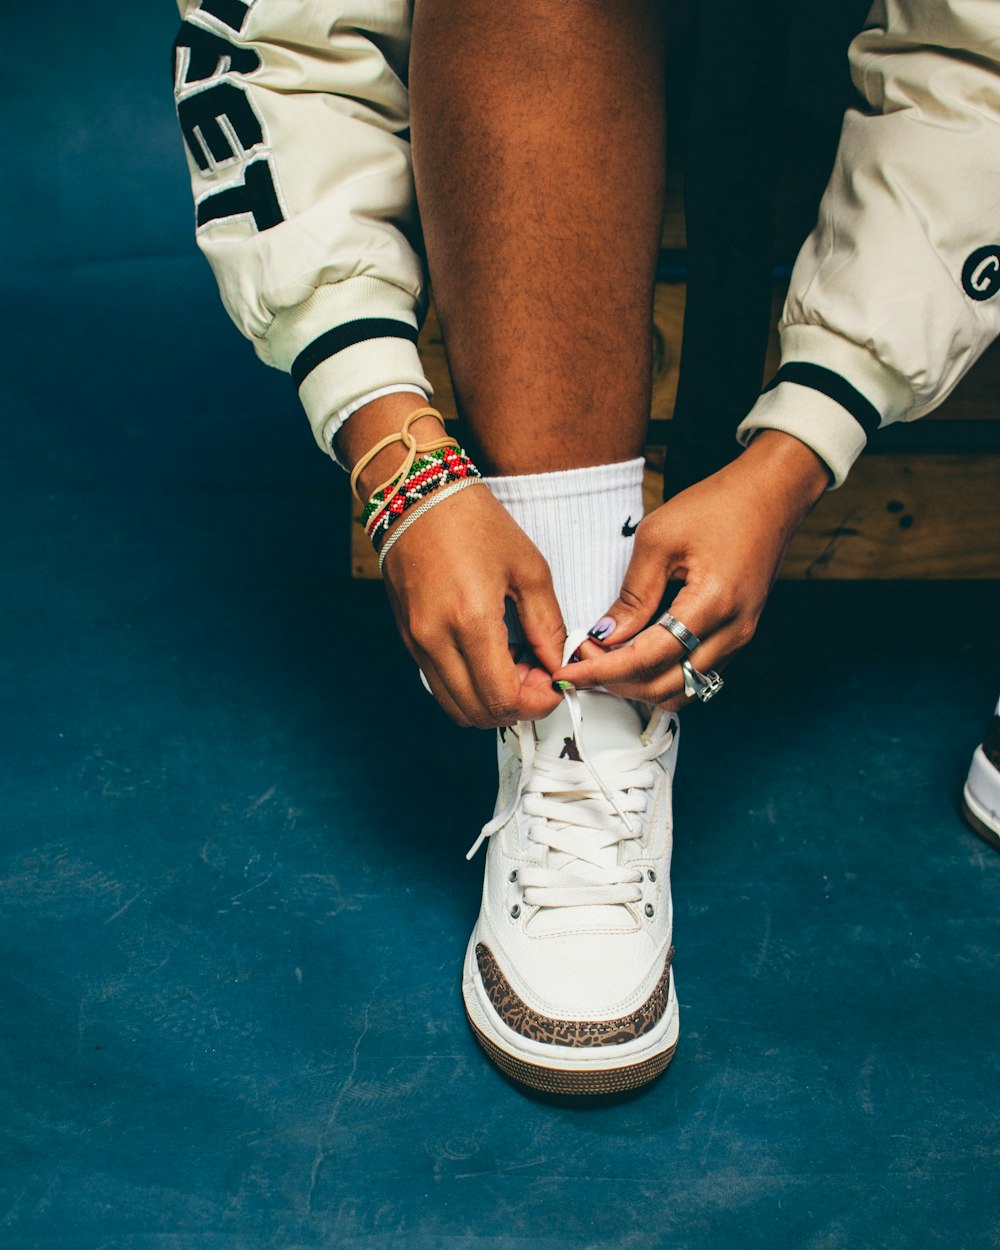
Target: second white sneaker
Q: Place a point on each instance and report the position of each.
(567, 981)
(981, 796)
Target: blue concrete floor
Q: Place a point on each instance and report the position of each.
(229, 988)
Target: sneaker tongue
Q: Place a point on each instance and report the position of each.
(609, 724)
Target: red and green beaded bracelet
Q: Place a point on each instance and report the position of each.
(428, 473)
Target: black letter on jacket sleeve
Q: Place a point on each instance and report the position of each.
(204, 111)
(233, 13)
(200, 54)
(255, 195)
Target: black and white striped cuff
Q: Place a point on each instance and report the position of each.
(833, 407)
(834, 386)
(365, 330)
(348, 339)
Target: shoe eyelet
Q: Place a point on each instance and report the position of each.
(649, 909)
(515, 911)
(651, 875)
(513, 875)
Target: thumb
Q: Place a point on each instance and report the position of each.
(642, 589)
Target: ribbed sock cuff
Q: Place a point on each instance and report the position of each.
(582, 521)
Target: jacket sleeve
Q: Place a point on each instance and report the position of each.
(896, 293)
(295, 119)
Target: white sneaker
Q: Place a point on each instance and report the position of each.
(981, 796)
(567, 979)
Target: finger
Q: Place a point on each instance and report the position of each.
(440, 691)
(444, 666)
(678, 703)
(540, 617)
(713, 656)
(532, 692)
(473, 674)
(538, 698)
(587, 650)
(710, 665)
(426, 663)
(485, 680)
(652, 652)
(667, 689)
(638, 662)
(509, 688)
(491, 672)
(645, 580)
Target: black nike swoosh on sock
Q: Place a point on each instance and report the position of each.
(628, 529)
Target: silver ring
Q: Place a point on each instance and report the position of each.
(705, 685)
(681, 632)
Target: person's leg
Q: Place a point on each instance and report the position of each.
(539, 153)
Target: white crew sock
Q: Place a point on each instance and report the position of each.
(582, 521)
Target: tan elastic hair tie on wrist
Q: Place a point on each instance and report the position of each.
(414, 449)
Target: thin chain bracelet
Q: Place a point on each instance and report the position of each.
(439, 496)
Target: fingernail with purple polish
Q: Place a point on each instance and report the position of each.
(604, 627)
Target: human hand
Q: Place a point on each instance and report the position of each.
(724, 538)
(448, 577)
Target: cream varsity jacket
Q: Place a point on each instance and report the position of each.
(896, 293)
(295, 119)
(294, 115)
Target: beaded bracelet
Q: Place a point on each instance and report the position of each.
(427, 468)
(428, 474)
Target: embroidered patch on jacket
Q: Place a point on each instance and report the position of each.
(981, 272)
(223, 130)
(518, 1016)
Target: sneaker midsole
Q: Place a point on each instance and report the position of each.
(483, 1016)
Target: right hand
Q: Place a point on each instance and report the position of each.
(448, 577)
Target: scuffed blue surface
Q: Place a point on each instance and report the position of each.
(232, 826)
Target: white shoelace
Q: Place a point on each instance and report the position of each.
(581, 816)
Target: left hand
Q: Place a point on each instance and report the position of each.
(724, 538)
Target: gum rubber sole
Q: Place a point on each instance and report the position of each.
(561, 1081)
(979, 826)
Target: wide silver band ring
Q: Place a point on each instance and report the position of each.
(704, 685)
(681, 632)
